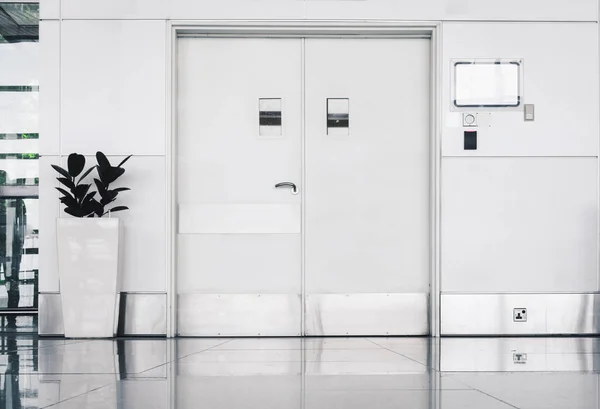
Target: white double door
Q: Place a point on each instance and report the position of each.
(342, 245)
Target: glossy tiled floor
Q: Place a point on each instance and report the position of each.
(415, 373)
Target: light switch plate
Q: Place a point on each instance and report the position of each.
(469, 119)
(529, 112)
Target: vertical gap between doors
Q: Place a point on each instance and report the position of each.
(303, 187)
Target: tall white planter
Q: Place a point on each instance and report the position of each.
(88, 264)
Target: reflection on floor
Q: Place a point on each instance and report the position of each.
(314, 373)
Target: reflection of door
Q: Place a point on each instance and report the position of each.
(343, 124)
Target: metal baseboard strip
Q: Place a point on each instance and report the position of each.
(143, 314)
(326, 314)
(545, 314)
(244, 315)
(368, 314)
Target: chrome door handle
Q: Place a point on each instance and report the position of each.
(288, 184)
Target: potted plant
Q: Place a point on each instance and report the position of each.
(88, 247)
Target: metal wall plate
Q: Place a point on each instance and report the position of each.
(50, 318)
(367, 314)
(529, 111)
(239, 315)
(520, 314)
(141, 314)
(493, 314)
(469, 119)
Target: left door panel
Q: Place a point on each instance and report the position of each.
(239, 237)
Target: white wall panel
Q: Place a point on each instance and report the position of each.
(519, 224)
(236, 9)
(375, 9)
(536, 10)
(49, 78)
(49, 210)
(561, 79)
(114, 9)
(49, 9)
(113, 87)
(144, 231)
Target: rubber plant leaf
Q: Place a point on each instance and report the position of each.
(110, 197)
(98, 208)
(64, 192)
(87, 172)
(117, 209)
(61, 171)
(124, 160)
(101, 188)
(112, 174)
(89, 197)
(72, 211)
(67, 182)
(103, 161)
(69, 202)
(81, 191)
(76, 163)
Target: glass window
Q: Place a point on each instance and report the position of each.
(19, 167)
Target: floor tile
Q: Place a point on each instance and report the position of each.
(557, 390)
(296, 373)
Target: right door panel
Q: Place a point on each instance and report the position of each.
(367, 186)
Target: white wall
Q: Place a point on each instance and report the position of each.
(104, 88)
(520, 212)
(534, 10)
(513, 224)
(560, 78)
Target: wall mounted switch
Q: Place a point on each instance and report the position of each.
(529, 112)
(469, 120)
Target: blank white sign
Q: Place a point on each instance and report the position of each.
(489, 84)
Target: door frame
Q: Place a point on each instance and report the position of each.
(304, 29)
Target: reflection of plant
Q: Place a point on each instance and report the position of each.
(79, 201)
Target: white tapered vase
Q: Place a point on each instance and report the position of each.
(88, 264)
